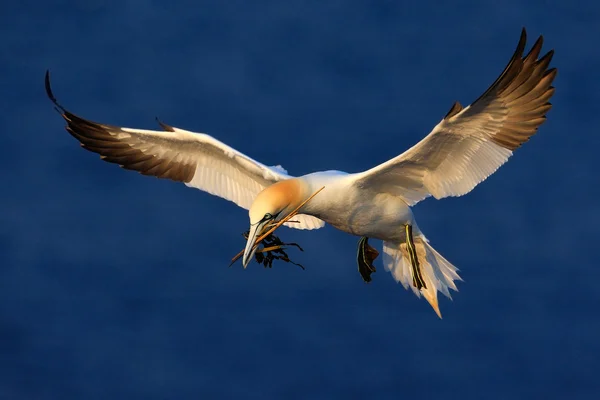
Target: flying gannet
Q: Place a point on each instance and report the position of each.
(462, 150)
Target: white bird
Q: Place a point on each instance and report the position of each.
(462, 150)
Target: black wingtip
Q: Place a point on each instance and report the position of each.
(48, 87)
(535, 49)
(523, 37)
(165, 127)
(549, 56)
(49, 93)
(521, 45)
(513, 66)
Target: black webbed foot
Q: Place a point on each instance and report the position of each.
(365, 257)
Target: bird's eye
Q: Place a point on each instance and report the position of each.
(267, 217)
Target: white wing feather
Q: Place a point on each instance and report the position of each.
(196, 159)
(469, 144)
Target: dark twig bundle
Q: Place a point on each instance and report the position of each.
(272, 248)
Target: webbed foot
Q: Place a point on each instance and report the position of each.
(365, 257)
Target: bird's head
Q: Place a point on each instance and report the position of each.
(271, 205)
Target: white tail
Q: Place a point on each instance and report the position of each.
(437, 272)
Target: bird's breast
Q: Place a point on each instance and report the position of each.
(361, 213)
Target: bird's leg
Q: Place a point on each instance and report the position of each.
(365, 257)
(418, 281)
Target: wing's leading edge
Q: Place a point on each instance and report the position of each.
(470, 143)
(196, 159)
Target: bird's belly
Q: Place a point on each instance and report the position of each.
(382, 217)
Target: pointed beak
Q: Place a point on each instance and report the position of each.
(255, 231)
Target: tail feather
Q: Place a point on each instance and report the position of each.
(438, 273)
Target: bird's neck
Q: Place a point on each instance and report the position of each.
(332, 183)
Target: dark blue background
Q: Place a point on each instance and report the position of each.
(115, 285)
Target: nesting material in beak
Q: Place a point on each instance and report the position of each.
(256, 230)
(271, 249)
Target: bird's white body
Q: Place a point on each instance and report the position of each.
(461, 151)
(347, 203)
(354, 210)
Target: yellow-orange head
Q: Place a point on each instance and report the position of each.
(277, 200)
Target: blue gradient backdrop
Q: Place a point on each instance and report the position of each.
(115, 286)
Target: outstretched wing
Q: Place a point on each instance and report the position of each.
(196, 159)
(470, 143)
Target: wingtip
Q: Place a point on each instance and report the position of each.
(535, 50)
(50, 94)
(549, 56)
(552, 71)
(48, 87)
(523, 36)
(522, 43)
(537, 46)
